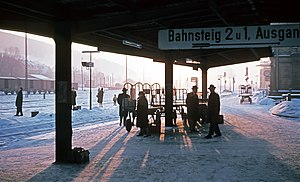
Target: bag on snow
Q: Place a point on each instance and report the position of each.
(79, 155)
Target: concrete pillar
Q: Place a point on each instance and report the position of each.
(169, 92)
(63, 124)
(204, 82)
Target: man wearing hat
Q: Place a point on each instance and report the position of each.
(192, 103)
(213, 111)
(122, 114)
(142, 115)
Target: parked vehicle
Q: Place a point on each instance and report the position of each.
(245, 93)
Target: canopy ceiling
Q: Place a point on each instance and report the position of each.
(106, 23)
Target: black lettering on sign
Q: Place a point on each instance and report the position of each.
(246, 33)
(280, 34)
(171, 35)
(228, 31)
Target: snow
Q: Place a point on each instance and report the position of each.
(41, 77)
(257, 143)
(287, 108)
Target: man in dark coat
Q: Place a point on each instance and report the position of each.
(142, 115)
(213, 112)
(19, 102)
(73, 98)
(122, 113)
(100, 96)
(192, 103)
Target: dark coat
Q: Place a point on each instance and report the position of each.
(120, 100)
(19, 99)
(142, 112)
(73, 97)
(213, 109)
(100, 96)
(192, 104)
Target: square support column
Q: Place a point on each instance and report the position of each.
(204, 83)
(63, 124)
(169, 92)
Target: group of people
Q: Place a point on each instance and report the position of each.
(141, 114)
(213, 111)
(192, 101)
(99, 96)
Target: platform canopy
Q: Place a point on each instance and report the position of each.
(131, 27)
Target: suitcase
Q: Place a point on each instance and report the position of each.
(79, 155)
(128, 124)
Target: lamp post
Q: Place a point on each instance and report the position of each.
(81, 76)
(131, 44)
(126, 70)
(233, 82)
(219, 78)
(89, 65)
(26, 67)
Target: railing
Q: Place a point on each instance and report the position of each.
(155, 94)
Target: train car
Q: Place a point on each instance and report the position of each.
(285, 75)
(36, 84)
(42, 84)
(8, 84)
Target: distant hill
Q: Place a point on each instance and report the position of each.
(41, 55)
(10, 65)
(38, 51)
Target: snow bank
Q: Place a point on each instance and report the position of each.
(266, 101)
(287, 108)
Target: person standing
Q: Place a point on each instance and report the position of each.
(142, 115)
(122, 113)
(115, 100)
(213, 111)
(73, 98)
(19, 102)
(192, 103)
(100, 96)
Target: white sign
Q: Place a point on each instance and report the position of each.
(230, 37)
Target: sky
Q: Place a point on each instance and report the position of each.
(153, 72)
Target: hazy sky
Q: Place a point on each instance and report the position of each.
(152, 72)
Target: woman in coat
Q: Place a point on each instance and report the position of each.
(192, 103)
(142, 115)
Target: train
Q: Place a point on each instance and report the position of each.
(285, 75)
(36, 84)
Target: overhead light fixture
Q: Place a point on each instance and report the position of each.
(132, 44)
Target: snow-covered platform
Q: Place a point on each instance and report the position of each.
(173, 155)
